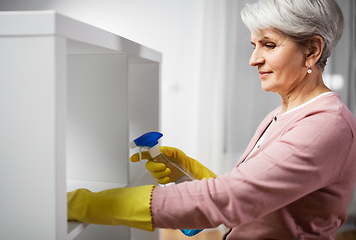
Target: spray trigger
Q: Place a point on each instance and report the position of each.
(139, 154)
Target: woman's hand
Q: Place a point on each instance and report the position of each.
(167, 173)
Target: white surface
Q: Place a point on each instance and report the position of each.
(75, 228)
(28, 138)
(144, 105)
(94, 186)
(37, 61)
(39, 23)
(97, 120)
(173, 28)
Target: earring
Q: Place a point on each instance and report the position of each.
(309, 70)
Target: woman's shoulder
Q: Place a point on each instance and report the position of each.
(328, 108)
(332, 103)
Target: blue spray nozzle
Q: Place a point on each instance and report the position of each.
(148, 140)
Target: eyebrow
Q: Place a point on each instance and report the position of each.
(264, 39)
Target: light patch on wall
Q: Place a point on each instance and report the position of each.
(334, 81)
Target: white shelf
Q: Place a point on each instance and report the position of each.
(94, 186)
(75, 228)
(44, 23)
(71, 97)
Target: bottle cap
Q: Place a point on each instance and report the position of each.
(148, 140)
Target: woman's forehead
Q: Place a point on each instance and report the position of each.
(267, 35)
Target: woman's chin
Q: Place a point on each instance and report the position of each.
(266, 87)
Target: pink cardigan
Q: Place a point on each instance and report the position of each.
(297, 185)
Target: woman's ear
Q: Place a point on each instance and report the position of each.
(314, 50)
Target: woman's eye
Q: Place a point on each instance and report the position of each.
(270, 46)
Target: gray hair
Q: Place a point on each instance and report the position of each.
(299, 20)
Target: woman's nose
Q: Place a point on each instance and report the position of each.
(256, 58)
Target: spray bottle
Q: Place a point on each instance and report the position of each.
(150, 141)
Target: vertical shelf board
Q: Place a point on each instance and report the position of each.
(138, 234)
(30, 120)
(97, 131)
(60, 137)
(144, 104)
(65, 120)
(107, 232)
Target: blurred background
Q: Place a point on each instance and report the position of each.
(211, 99)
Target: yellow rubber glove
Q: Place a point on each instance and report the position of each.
(119, 206)
(161, 172)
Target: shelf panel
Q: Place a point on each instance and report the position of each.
(73, 184)
(97, 122)
(68, 85)
(74, 228)
(41, 23)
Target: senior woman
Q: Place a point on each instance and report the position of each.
(297, 175)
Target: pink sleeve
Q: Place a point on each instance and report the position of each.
(306, 156)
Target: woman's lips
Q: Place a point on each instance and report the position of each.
(264, 75)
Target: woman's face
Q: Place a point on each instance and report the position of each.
(280, 62)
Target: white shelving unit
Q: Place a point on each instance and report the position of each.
(71, 98)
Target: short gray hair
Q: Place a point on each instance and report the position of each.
(298, 20)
